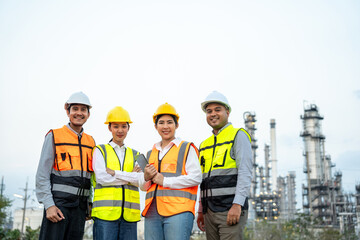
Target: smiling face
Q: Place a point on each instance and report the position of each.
(166, 127)
(78, 114)
(119, 132)
(216, 116)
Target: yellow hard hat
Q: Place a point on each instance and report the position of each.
(166, 109)
(118, 114)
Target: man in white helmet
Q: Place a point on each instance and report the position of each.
(64, 172)
(226, 162)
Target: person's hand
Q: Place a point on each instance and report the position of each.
(54, 214)
(110, 171)
(234, 213)
(158, 179)
(88, 217)
(137, 169)
(149, 172)
(201, 221)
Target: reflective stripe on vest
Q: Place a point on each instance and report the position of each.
(112, 202)
(71, 173)
(70, 189)
(72, 169)
(171, 193)
(171, 201)
(219, 170)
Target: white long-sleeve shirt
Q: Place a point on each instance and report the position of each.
(192, 168)
(120, 177)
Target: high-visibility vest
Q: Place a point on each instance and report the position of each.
(171, 201)
(72, 169)
(112, 202)
(219, 170)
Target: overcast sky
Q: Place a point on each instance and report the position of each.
(267, 57)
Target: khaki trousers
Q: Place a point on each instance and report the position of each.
(217, 229)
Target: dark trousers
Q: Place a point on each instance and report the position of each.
(72, 227)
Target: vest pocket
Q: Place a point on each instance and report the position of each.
(63, 161)
(67, 160)
(168, 167)
(220, 158)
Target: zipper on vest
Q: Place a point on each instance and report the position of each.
(122, 186)
(159, 170)
(81, 164)
(212, 159)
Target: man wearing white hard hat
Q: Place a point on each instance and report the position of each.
(64, 172)
(226, 162)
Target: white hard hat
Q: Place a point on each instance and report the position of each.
(215, 97)
(78, 98)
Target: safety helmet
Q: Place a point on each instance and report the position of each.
(118, 114)
(166, 109)
(77, 98)
(215, 97)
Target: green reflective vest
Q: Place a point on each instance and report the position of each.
(219, 170)
(112, 202)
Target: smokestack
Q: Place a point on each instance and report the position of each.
(273, 155)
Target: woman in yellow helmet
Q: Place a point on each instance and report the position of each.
(175, 174)
(116, 206)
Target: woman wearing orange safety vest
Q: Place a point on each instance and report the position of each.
(175, 174)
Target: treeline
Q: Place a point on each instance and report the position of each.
(9, 234)
(302, 227)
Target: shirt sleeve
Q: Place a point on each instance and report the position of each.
(142, 184)
(243, 155)
(43, 185)
(131, 177)
(193, 177)
(101, 175)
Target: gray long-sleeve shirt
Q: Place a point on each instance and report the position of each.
(242, 153)
(43, 185)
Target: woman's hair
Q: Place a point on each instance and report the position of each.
(159, 116)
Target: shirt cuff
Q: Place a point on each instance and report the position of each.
(165, 183)
(48, 203)
(239, 200)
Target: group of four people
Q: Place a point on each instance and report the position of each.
(170, 174)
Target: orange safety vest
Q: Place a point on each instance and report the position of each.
(72, 169)
(171, 201)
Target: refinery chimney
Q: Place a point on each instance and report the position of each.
(273, 155)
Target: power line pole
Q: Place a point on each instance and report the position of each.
(2, 186)
(23, 219)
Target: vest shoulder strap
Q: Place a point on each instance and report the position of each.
(243, 130)
(103, 151)
(148, 155)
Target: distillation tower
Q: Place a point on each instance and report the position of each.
(316, 196)
(323, 196)
(268, 201)
(250, 119)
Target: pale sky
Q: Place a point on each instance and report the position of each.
(267, 57)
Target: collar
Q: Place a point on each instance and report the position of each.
(176, 142)
(228, 124)
(114, 145)
(79, 134)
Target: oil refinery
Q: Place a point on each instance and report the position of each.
(273, 198)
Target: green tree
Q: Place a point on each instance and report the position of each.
(8, 234)
(4, 203)
(31, 234)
